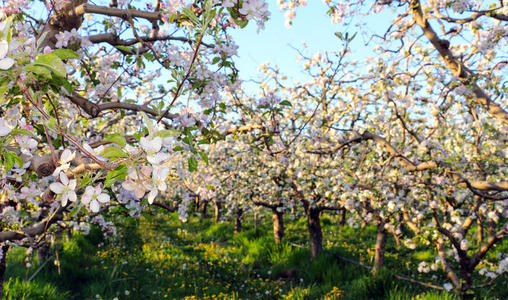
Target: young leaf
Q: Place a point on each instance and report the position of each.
(204, 157)
(65, 53)
(114, 175)
(52, 62)
(191, 16)
(11, 158)
(193, 164)
(113, 152)
(167, 132)
(116, 138)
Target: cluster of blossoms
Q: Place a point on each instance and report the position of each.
(13, 7)
(66, 38)
(108, 228)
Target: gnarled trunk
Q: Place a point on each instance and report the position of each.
(203, 209)
(238, 221)
(218, 212)
(278, 225)
(342, 217)
(379, 257)
(315, 232)
(3, 261)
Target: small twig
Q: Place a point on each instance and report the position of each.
(185, 77)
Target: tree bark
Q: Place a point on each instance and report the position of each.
(480, 231)
(278, 225)
(204, 209)
(3, 260)
(238, 221)
(218, 213)
(466, 276)
(44, 252)
(315, 232)
(342, 217)
(379, 257)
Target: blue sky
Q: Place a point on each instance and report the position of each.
(276, 42)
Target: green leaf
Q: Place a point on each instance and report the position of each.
(193, 164)
(204, 157)
(216, 60)
(11, 158)
(52, 62)
(65, 53)
(114, 175)
(167, 132)
(124, 49)
(285, 102)
(241, 23)
(191, 16)
(21, 131)
(116, 138)
(113, 152)
(59, 82)
(148, 122)
(38, 70)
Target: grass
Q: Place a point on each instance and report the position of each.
(158, 257)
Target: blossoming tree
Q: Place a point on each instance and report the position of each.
(91, 107)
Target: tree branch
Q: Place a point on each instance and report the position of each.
(458, 69)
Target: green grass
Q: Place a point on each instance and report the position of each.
(158, 257)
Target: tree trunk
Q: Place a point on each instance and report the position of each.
(379, 257)
(218, 213)
(256, 221)
(43, 253)
(3, 260)
(238, 221)
(480, 231)
(466, 278)
(342, 217)
(203, 209)
(278, 225)
(315, 232)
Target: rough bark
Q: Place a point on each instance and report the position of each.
(278, 225)
(466, 76)
(480, 231)
(315, 232)
(204, 209)
(379, 257)
(44, 252)
(342, 217)
(238, 221)
(3, 260)
(218, 212)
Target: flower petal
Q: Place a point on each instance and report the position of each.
(6, 63)
(64, 179)
(151, 196)
(56, 187)
(103, 198)
(4, 48)
(72, 196)
(94, 206)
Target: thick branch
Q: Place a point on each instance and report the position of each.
(267, 205)
(458, 69)
(93, 109)
(115, 40)
(484, 248)
(34, 230)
